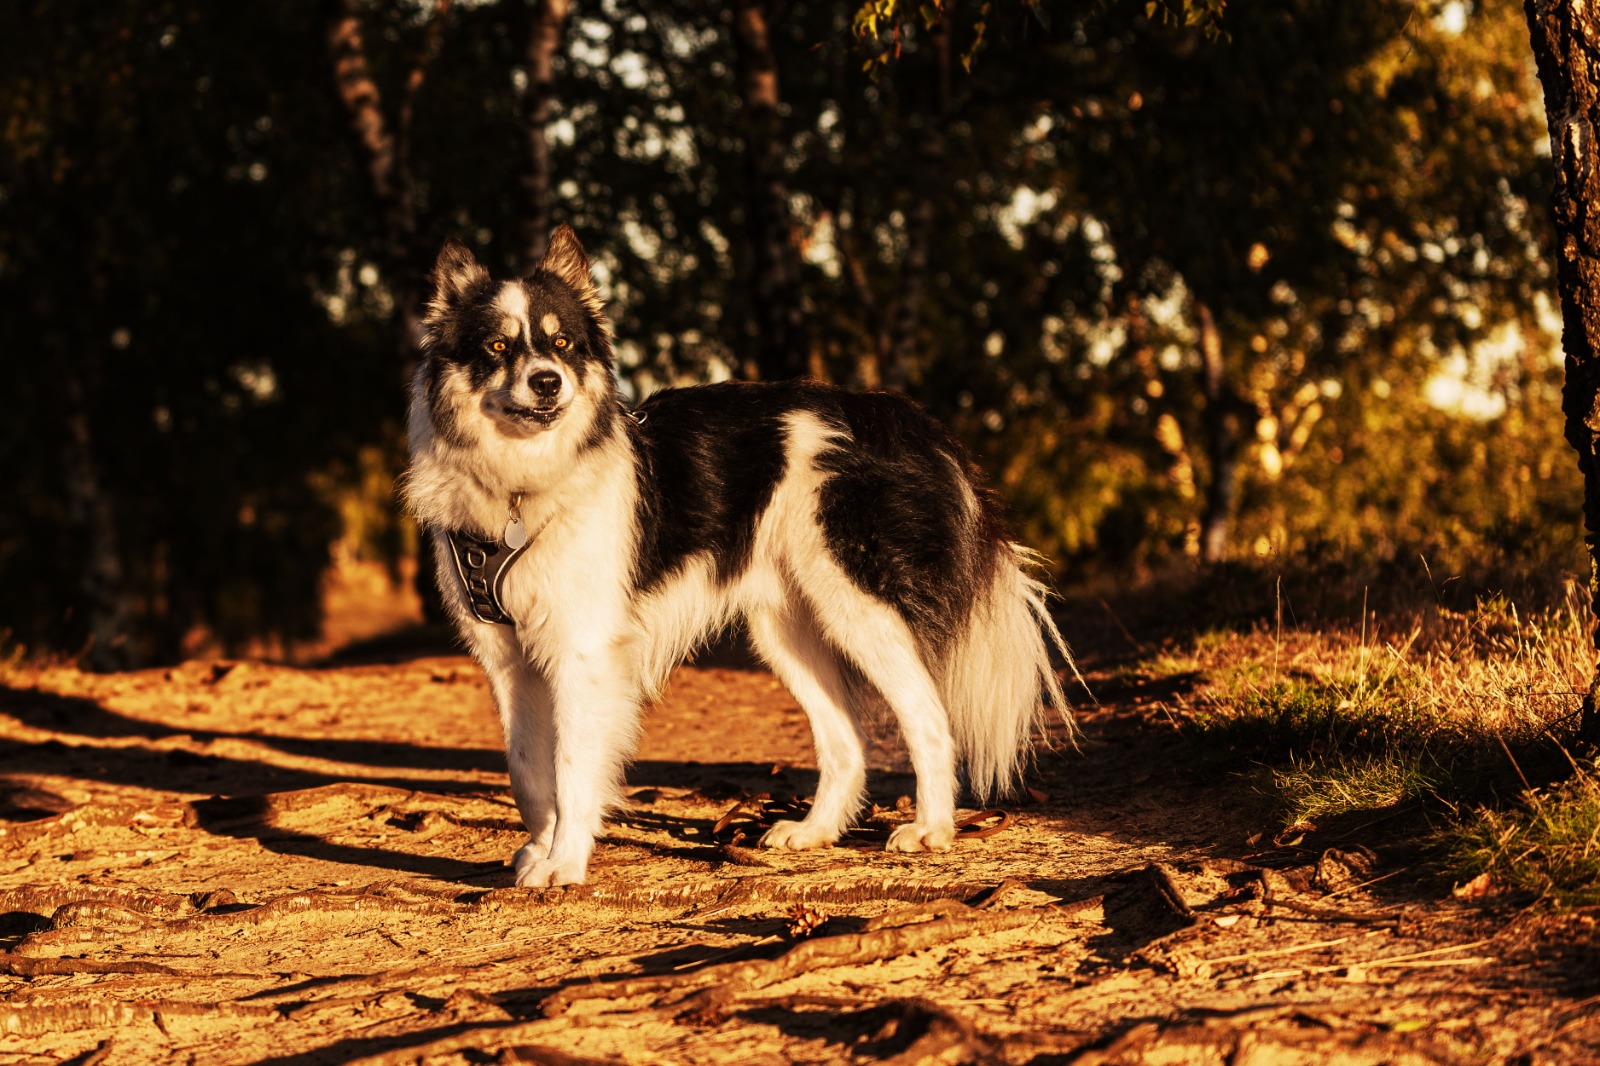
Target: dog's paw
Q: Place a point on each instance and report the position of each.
(530, 853)
(915, 836)
(550, 873)
(797, 836)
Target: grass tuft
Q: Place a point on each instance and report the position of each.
(1547, 843)
(1309, 790)
(1451, 709)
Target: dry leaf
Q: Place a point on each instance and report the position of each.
(1476, 888)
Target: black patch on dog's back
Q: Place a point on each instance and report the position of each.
(709, 458)
(895, 516)
(892, 508)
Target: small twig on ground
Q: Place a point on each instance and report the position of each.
(741, 856)
(764, 890)
(1394, 959)
(1166, 882)
(1367, 884)
(1332, 914)
(1269, 952)
(1410, 961)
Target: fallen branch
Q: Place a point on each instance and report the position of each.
(727, 980)
(46, 901)
(26, 967)
(715, 897)
(36, 1020)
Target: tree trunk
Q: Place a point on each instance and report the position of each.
(549, 22)
(1223, 438)
(777, 326)
(924, 213)
(385, 151)
(1566, 45)
(102, 580)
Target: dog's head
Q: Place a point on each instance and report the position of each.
(523, 355)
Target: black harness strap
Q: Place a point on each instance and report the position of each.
(482, 565)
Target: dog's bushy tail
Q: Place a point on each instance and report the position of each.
(994, 673)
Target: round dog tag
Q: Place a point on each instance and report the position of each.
(516, 534)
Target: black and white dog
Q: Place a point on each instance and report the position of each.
(584, 549)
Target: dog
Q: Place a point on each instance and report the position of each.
(584, 549)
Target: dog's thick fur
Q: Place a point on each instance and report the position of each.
(846, 531)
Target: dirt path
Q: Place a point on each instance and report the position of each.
(239, 863)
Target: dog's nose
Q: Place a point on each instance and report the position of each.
(546, 385)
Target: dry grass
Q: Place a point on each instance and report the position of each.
(1461, 711)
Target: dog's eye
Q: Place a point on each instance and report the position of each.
(498, 346)
(561, 342)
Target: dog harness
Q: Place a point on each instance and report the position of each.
(482, 565)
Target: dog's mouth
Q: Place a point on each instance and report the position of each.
(526, 417)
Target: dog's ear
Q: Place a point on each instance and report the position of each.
(565, 259)
(457, 276)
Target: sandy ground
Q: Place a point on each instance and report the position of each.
(244, 863)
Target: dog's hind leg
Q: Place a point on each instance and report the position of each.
(882, 647)
(793, 646)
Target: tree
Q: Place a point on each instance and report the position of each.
(777, 332)
(179, 402)
(1566, 38)
(1028, 227)
(544, 41)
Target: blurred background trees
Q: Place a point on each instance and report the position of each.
(1192, 286)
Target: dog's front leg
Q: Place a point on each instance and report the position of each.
(595, 713)
(522, 697)
(530, 758)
